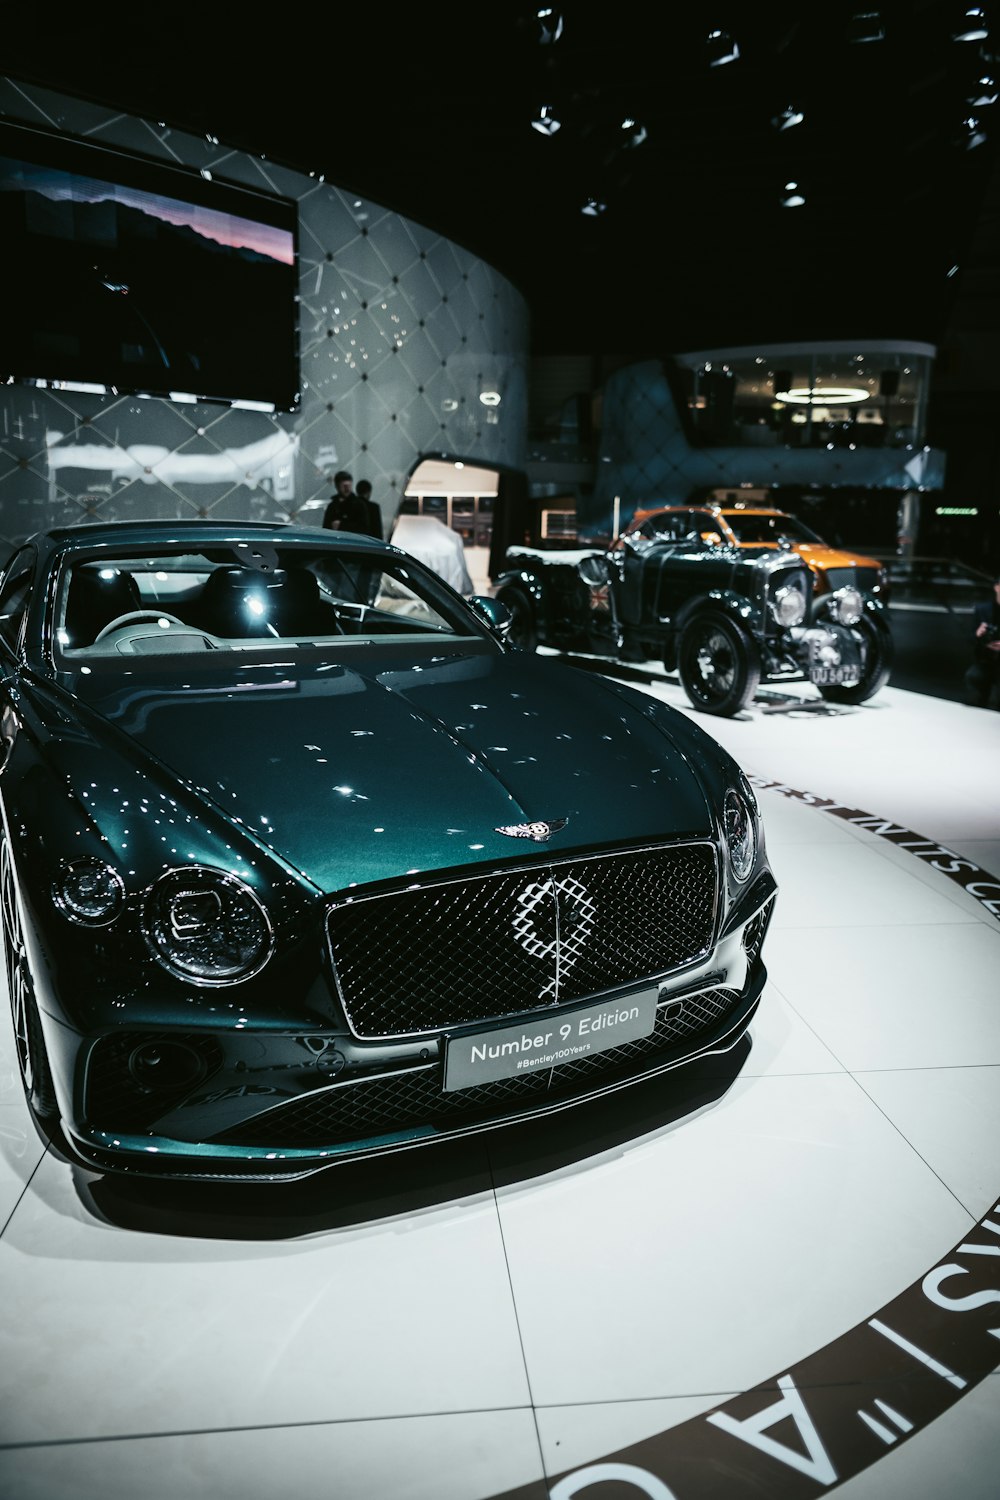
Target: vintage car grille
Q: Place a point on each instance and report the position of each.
(400, 1101)
(859, 578)
(475, 949)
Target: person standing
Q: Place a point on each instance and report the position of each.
(982, 680)
(373, 513)
(345, 511)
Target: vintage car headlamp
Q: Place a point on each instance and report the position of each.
(88, 892)
(846, 606)
(207, 926)
(741, 835)
(788, 605)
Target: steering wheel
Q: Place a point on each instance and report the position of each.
(137, 617)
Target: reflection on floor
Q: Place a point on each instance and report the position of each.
(776, 1276)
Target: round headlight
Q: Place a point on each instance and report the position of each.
(789, 606)
(88, 892)
(847, 606)
(741, 835)
(206, 926)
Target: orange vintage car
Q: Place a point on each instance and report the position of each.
(755, 528)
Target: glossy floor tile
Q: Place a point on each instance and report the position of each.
(614, 1291)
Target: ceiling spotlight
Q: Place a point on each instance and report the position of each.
(974, 135)
(721, 49)
(866, 26)
(792, 197)
(633, 134)
(593, 208)
(789, 117)
(545, 121)
(985, 93)
(973, 27)
(490, 398)
(550, 24)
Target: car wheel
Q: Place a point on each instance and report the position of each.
(29, 1043)
(718, 664)
(877, 646)
(523, 631)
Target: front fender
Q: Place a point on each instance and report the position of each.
(522, 578)
(743, 611)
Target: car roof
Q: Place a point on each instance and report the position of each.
(155, 533)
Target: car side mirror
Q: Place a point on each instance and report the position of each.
(493, 612)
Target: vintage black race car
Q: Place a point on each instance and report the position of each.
(719, 617)
(302, 861)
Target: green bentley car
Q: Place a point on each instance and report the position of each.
(303, 861)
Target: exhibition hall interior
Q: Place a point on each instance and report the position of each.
(527, 1025)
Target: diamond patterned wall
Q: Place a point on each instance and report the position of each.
(399, 330)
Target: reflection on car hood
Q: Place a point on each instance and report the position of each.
(355, 773)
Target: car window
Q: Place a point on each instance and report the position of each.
(748, 527)
(171, 602)
(15, 591)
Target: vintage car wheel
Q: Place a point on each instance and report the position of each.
(878, 650)
(36, 1075)
(718, 664)
(523, 630)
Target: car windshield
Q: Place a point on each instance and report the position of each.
(747, 527)
(240, 596)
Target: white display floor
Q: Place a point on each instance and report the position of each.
(767, 1277)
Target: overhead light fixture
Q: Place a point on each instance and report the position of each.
(632, 133)
(973, 133)
(550, 24)
(822, 395)
(792, 196)
(490, 398)
(984, 94)
(545, 121)
(973, 26)
(866, 26)
(721, 49)
(788, 118)
(593, 208)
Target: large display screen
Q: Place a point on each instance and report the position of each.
(126, 275)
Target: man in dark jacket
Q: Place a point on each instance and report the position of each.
(982, 680)
(345, 512)
(373, 515)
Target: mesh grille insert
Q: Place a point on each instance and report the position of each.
(401, 1101)
(493, 945)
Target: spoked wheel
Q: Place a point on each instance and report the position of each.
(29, 1042)
(877, 651)
(718, 665)
(523, 630)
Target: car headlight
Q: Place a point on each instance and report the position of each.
(788, 606)
(741, 835)
(207, 926)
(846, 606)
(88, 892)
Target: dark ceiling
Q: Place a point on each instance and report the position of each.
(428, 110)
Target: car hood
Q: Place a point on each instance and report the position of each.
(357, 772)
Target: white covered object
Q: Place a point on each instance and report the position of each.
(436, 546)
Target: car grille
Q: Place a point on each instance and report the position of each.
(859, 578)
(400, 1101)
(440, 955)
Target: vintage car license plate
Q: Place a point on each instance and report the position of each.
(530, 1046)
(832, 676)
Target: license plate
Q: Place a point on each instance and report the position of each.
(832, 676)
(537, 1045)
